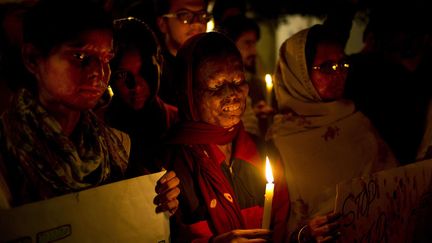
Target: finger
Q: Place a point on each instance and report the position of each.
(254, 240)
(167, 196)
(170, 207)
(333, 217)
(252, 233)
(167, 185)
(318, 221)
(327, 239)
(325, 230)
(167, 176)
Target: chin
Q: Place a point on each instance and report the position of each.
(230, 123)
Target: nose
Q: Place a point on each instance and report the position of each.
(100, 72)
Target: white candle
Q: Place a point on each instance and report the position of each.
(268, 197)
(269, 87)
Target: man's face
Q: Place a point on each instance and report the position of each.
(246, 43)
(176, 31)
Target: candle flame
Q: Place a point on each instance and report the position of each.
(269, 81)
(210, 25)
(268, 171)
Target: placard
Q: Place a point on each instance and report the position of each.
(116, 212)
(389, 206)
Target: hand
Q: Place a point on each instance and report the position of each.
(325, 228)
(239, 236)
(168, 191)
(262, 109)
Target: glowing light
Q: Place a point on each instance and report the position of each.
(210, 25)
(269, 81)
(268, 197)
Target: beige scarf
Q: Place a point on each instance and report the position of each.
(320, 143)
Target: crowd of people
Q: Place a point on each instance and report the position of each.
(90, 97)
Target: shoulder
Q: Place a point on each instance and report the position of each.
(123, 138)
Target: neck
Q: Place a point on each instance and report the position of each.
(172, 48)
(66, 117)
(226, 149)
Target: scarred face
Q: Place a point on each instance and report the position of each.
(329, 71)
(221, 92)
(76, 73)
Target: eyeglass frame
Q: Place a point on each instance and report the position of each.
(195, 14)
(342, 65)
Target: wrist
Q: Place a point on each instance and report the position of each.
(304, 235)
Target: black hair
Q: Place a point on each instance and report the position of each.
(234, 26)
(50, 23)
(221, 7)
(163, 6)
(133, 34)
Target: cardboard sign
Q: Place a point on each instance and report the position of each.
(117, 212)
(390, 206)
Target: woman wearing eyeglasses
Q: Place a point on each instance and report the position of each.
(320, 137)
(177, 21)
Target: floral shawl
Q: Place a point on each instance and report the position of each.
(320, 143)
(52, 163)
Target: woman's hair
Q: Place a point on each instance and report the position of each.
(319, 34)
(50, 23)
(190, 57)
(235, 26)
(133, 34)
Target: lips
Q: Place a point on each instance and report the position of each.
(91, 91)
(231, 107)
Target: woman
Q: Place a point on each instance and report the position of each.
(136, 108)
(51, 143)
(321, 138)
(218, 163)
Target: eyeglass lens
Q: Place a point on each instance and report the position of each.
(188, 17)
(330, 67)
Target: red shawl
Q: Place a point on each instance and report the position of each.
(202, 157)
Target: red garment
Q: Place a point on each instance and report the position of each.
(200, 154)
(212, 182)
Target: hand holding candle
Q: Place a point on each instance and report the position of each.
(268, 197)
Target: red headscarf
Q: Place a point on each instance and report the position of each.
(200, 139)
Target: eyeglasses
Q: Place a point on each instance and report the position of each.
(188, 17)
(330, 67)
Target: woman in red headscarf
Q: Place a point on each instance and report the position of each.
(218, 163)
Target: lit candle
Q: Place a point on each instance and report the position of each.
(269, 87)
(268, 197)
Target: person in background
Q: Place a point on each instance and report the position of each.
(320, 137)
(223, 9)
(12, 70)
(390, 82)
(135, 107)
(218, 162)
(51, 143)
(245, 33)
(177, 21)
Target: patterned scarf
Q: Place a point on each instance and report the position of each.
(224, 210)
(55, 164)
